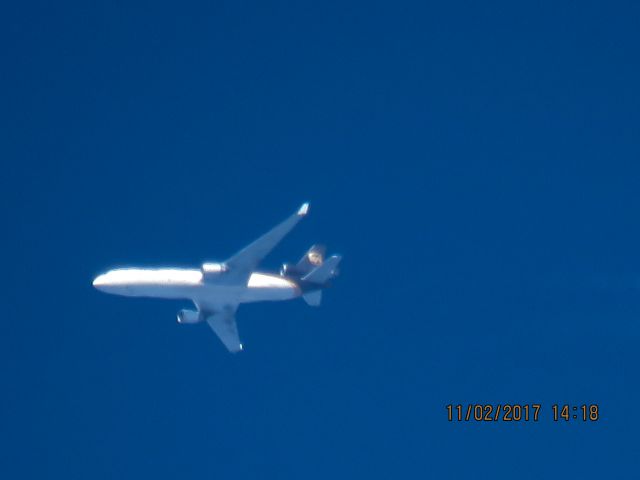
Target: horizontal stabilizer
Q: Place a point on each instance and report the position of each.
(313, 298)
(324, 272)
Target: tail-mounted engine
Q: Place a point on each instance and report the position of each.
(189, 316)
(312, 259)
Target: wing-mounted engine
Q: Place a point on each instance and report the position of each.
(189, 316)
(212, 270)
(289, 270)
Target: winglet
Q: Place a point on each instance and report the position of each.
(303, 209)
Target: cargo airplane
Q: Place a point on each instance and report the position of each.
(217, 289)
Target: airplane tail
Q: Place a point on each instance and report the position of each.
(317, 279)
(324, 272)
(310, 260)
(313, 298)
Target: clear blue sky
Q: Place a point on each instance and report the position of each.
(477, 164)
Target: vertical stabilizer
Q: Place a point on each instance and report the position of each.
(310, 260)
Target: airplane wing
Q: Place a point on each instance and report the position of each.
(242, 264)
(223, 323)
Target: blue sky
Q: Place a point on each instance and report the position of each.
(476, 165)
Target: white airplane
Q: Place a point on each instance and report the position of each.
(217, 289)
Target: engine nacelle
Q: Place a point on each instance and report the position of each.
(211, 270)
(189, 316)
(287, 270)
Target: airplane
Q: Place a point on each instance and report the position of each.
(217, 289)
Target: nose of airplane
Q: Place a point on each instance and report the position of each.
(99, 281)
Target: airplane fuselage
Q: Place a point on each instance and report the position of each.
(179, 283)
(217, 289)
